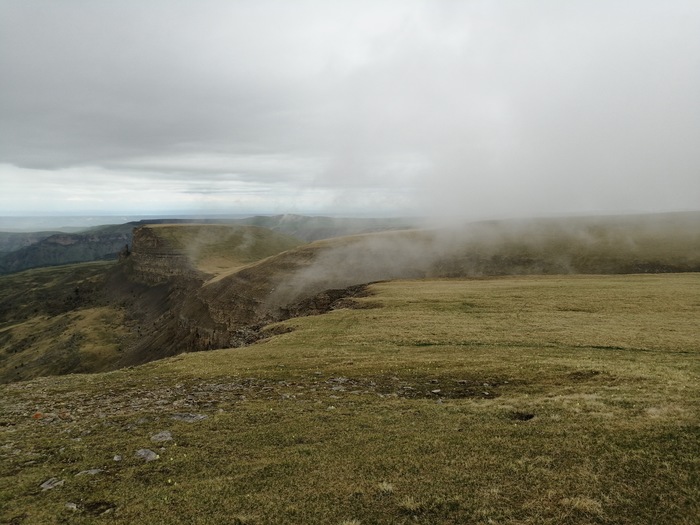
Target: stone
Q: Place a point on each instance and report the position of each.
(51, 483)
(71, 506)
(146, 454)
(165, 435)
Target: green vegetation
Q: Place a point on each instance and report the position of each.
(56, 321)
(515, 400)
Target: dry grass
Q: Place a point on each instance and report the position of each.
(539, 400)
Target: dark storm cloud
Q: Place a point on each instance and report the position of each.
(475, 108)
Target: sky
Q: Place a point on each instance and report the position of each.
(473, 108)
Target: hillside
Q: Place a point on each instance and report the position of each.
(565, 400)
(200, 287)
(94, 317)
(603, 245)
(21, 251)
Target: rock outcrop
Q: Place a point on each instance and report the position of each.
(155, 259)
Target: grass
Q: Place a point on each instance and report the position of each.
(521, 400)
(52, 322)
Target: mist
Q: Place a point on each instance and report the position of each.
(425, 108)
(588, 245)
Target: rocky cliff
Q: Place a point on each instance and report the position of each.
(155, 259)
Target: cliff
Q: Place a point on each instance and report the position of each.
(155, 259)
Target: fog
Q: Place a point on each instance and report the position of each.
(425, 108)
(591, 245)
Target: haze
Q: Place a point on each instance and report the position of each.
(477, 109)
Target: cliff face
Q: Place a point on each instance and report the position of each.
(155, 259)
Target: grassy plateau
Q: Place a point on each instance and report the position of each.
(508, 400)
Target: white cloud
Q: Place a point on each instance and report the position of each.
(480, 108)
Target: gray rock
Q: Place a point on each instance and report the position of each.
(187, 417)
(51, 483)
(71, 506)
(162, 436)
(117, 458)
(146, 454)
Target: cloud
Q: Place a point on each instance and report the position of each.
(423, 107)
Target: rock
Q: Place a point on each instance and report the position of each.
(187, 417)
(146, 454)
(436, 391)
(90, 472)
(162, 436)
(117, 458)
(71, 506)
(51, 483)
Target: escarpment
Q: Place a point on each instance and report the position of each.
(156, 259)
(266, 281)
(196, 286)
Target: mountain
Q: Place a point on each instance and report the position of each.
(51, 249)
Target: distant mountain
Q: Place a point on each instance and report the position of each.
(27, 250)
(12, 241)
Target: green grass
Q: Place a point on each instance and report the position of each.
(522, 400)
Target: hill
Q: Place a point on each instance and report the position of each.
(32, 250)
(93, 317)
(518, 399)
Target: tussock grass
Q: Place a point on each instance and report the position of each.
(429, 394)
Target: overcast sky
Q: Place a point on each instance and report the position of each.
(478, 108)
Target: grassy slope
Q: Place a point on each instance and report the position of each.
(519, 400)
(52, 321)
(215, 248)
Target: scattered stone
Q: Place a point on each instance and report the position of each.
(165, 435)
(436, 391)
(51, 483)
(146, 454)
(117, 458)
(188, 417)
(71, 506)
(89, 472)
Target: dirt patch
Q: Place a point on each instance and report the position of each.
(521, 416)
